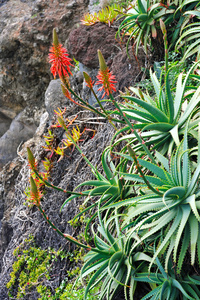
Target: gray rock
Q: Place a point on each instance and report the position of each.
(21, 129)
(54, 97)
(4, 123)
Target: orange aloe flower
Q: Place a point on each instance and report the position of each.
(106, 78)
(59, 58)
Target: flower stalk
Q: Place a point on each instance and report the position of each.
(133, 155)
(164, 31)
(63, 235)
(35, 199)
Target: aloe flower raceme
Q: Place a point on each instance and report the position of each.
(60, 64)
(106, 78)
(33, 166)
(31, 159)
(59, 58)
(35, 198)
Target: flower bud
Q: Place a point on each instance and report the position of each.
(102, 63)
(61, 121)
(34, 189)
(88, 80)
(55, 38)
(31, 159)
(162, 26)
(35, 193)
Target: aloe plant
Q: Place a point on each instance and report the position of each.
(141, 22)
(161, 119)
(112, 264)
(168, 208)
(167, 287)
(190, 39)
(180, 14)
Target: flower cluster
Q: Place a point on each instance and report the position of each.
(59, 58)
(35, 193)
(107, 79)
(60, 61)
(60, 64)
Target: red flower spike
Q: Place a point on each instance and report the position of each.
(58, 58)
(106, 78)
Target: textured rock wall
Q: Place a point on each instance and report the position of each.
(25, 37)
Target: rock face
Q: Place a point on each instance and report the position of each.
(21, 129)
(54, 98)
(25, 37)
(84, 42)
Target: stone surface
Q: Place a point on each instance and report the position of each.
(25, 37)
(128, 69)
(54, 98)
(4, 123)
(21, 129)
(84, 42)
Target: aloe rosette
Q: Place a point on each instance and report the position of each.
(140, 22)
(167, 287)
(168, 208)
(189, 29)
(162, 119)
(111, 265)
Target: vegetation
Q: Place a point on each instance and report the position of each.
(143, 212)
(107, 15)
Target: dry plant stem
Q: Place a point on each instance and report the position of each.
(133, 155)
(132, 128)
